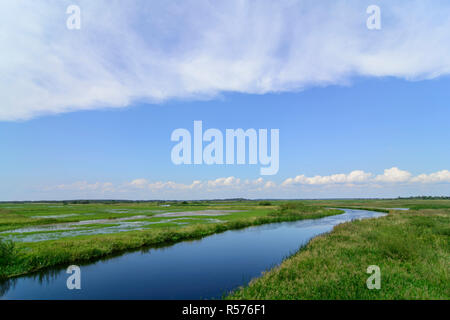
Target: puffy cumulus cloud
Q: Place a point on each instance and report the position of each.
(151, 51)
(437, 177)
(139, 183)
(390, 176)
(394, 175)
(270, 184)
(356, 176)
(221, 182)
(353, 184)
(143, 188)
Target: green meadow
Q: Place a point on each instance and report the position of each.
(412, 248)
(39, 235)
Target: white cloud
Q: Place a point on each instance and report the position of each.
(437, 177)
(392, 180)
(270, 184)
(394, 175)
(356, 176)
(230, 181)
(155, 50)
(139, 183)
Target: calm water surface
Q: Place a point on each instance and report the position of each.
(201, 269)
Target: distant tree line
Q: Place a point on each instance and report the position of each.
(108, 201)
(262, 202)
(425, 198)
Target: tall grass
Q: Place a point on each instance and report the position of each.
(8, 256)
(35, 256)
(412, 250)
(7, 252)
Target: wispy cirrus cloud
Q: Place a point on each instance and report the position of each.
(157, 50)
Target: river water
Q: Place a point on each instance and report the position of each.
(202, 269)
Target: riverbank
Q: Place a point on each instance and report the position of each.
(206, 268)
(412, 249)
(30, 257)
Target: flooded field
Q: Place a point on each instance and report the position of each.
(201, 269)
(108, 226)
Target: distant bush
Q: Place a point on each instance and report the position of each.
(7, 252)
(265, 203)
(294, 208)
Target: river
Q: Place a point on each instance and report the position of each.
(202, 269)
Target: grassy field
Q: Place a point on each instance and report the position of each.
(412, 249)
(39, 235)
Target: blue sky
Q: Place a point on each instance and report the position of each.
(371, 125)
(88, 113)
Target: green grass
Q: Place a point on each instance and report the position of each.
(412, 249)
(32, 256)
(8, 253)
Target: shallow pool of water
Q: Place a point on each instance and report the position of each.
(201, 269)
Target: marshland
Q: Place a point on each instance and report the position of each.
(237, 249)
